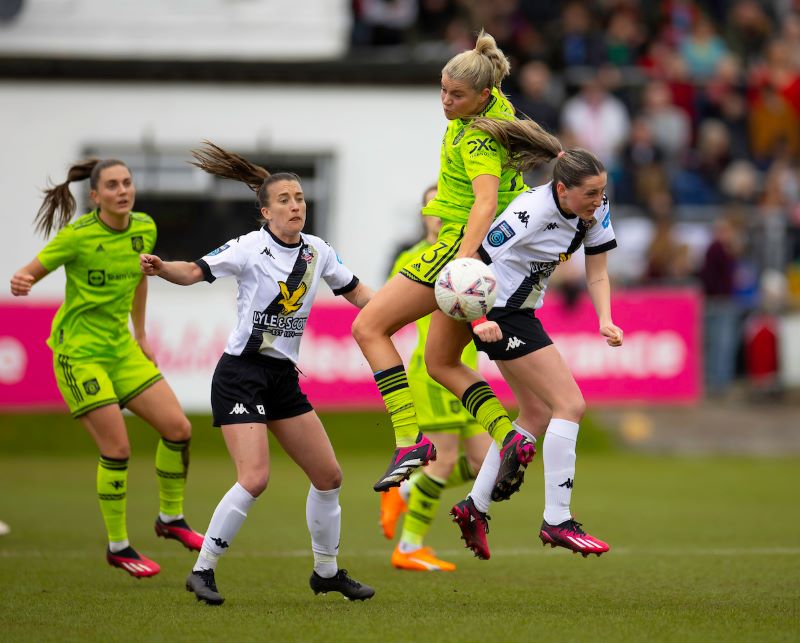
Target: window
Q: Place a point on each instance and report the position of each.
(197, 212)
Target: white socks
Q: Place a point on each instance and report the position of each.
(225, 524)
(559, 469)
(519, 429)
(168, 518)
(324, 519)
(481, 493)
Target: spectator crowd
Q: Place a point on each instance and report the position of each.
(694, 107)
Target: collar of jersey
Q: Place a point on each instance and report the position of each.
(282, 243)
(107, 227)
(558, 205)
(489, 105)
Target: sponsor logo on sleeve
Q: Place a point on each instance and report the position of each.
(218, 250)
(606, 219)
(500, 234)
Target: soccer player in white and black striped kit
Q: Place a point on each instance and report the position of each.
(541, 228)
(255, 385)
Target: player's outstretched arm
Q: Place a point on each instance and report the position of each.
(599, 287)
(25, 277)
(360, 295)
(183, 273)
(481, 215)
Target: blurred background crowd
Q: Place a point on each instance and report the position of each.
(694, 107)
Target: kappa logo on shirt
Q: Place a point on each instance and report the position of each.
(238, 409)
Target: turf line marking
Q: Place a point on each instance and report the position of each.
(381, 553)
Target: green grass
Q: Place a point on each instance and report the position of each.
(704, 549)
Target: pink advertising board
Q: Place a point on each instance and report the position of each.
(26, 363)
(659, 362)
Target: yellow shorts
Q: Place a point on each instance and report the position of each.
(88, 384)
(426, 266)
(438, 410)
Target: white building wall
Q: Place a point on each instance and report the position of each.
(274, 30)
(385, 144)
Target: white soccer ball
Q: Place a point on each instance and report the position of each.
(466, 289)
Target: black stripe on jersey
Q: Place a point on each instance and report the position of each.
(521, 293)
(206, 271)
(596, 250)
(348, 288)
(580, 234)
(447, 257)
(484, 256)
(293, 281)
(554, 192)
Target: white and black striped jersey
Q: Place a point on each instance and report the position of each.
(277, 284)
(532, 236)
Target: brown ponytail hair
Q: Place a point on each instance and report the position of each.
(529, 145)
(59, 204)
(229, 165)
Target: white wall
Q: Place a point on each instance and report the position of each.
(385, 144)
(272, 30)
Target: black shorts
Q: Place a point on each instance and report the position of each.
(522, 334)
(255, 389)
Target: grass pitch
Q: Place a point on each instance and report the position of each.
(702, 549)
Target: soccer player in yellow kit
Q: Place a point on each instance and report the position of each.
(99, 366)
(484, 152)
(442, 417)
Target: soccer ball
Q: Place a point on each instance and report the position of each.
(466, 289)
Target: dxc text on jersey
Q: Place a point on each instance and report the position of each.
(277, 284)
(532, 236)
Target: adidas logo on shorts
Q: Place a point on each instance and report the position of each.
(514, 342)
(238, 409)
